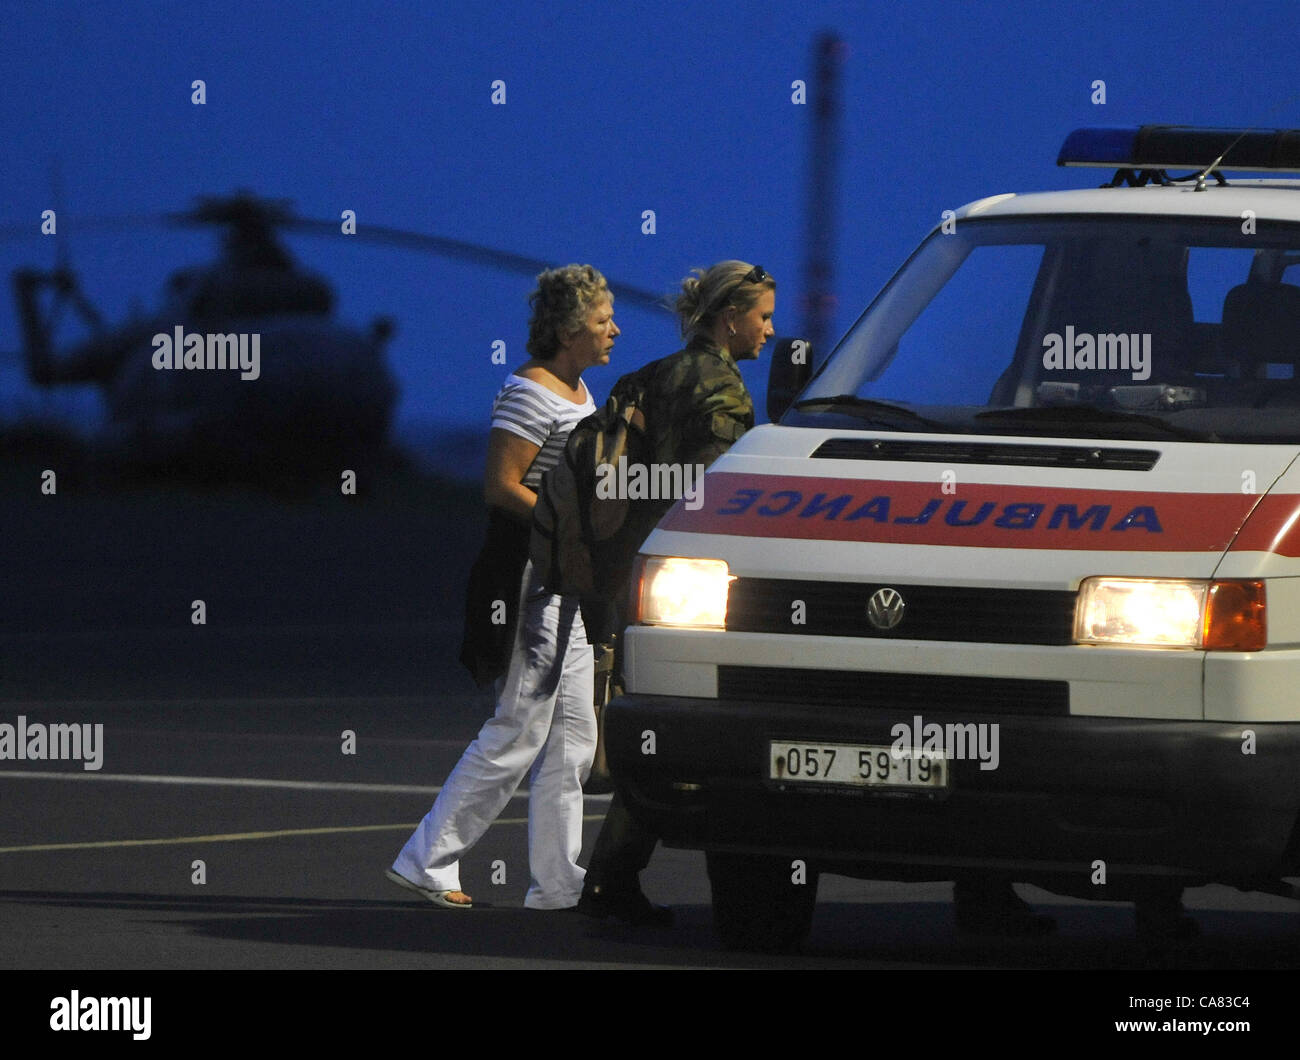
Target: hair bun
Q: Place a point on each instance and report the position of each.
(688, 302)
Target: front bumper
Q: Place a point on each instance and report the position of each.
(1139, 798)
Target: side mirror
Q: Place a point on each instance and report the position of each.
(791, 368)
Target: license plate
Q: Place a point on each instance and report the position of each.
(856, 765)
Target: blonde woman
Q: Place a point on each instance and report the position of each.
(696, 405)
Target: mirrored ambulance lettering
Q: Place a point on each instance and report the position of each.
(1012, 515)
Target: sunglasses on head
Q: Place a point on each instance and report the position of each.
(755, 275)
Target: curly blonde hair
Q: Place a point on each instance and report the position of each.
(560, 305)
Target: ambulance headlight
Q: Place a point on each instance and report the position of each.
(669, 591)
(1218, 615)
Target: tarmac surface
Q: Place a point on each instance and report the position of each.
(99, 868)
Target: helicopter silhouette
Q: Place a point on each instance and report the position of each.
(244, 372)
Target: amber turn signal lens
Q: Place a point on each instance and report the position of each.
(1234, 617)
(634, 590)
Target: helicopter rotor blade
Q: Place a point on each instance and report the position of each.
(272, 214)
(460, 250)
(241, 208)
(108, 223)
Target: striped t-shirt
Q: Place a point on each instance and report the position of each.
(541, 416)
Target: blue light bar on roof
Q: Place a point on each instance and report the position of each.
(1182, 147)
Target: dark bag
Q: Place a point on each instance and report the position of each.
(492, 598)
(583, 540)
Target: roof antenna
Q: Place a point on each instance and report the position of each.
(1200, 177)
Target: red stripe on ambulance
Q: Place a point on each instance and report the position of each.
(986, 516)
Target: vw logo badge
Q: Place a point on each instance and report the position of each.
(885, 608)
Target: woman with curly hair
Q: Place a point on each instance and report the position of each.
(544, 726)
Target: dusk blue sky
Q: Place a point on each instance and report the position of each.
(612, 109)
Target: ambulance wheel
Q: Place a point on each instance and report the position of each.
(756, 903)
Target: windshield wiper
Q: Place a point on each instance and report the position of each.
(869, 408)
(1091, 414)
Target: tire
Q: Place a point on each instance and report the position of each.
(756, 906)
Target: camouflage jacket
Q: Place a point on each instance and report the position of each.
(696, 404)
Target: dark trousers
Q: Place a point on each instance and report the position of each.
(623, 849)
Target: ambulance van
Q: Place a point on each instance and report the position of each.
(1011, 588)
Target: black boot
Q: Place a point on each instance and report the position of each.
(627, 904)
(613, 887)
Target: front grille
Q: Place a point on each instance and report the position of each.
(888, 691)
(1005, 453)
(931, 612)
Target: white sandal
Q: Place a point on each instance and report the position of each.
(438, 898)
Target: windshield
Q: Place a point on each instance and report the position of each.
(1098, 326)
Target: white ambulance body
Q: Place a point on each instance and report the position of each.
(1001, 593)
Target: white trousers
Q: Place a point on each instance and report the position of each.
(544, 727)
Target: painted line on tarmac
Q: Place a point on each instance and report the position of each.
(237, 837)
(244, 782)
(222, 782)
